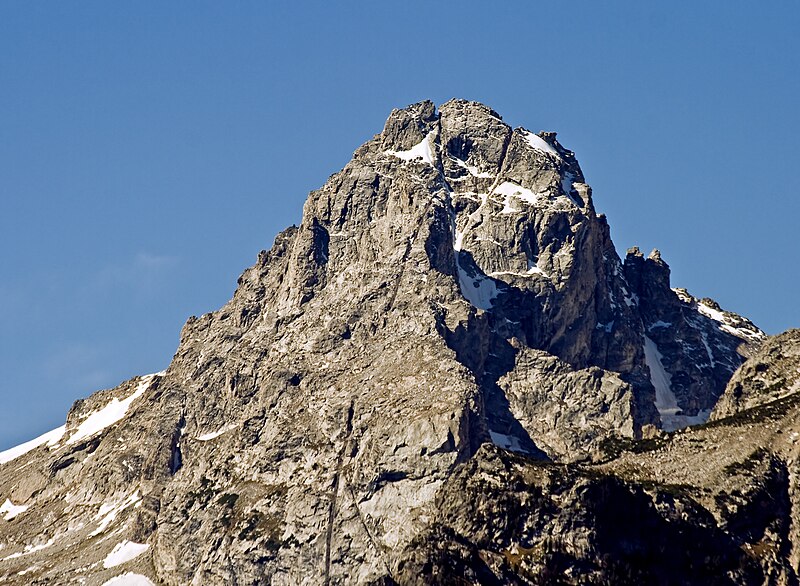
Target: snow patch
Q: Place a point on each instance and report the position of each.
(124, 552)
(566, 187)
(659, 324)
(683, 295)
(744, 332)
(510, 189)
(699, 419)
(11, 510)
(29, 549)
(479, 290)
(509, 442)
(538, 143)
(533, 269)
(27, 570)
(50, 438)
(507, 207)
(727, 324)
(215, 434)
(666, 403)
(108, 512)
(129, 579)
(530, 272)
(630, 299)
(459, 242)
(707, 311)
(472, 170)
(114, 411)
(421, 150)
(704, 338)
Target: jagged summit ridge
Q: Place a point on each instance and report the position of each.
(449, 296)
(473, 168)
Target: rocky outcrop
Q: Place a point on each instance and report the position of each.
(692, 341)
(772, 373)
(424, 378)
(552, 525)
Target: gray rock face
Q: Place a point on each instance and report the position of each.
(451, 287)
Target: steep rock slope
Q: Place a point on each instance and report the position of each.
(451, 287)
(772, 373)
(691, 345)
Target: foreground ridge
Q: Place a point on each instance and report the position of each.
(445, 371)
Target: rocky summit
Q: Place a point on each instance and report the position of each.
(444, 375)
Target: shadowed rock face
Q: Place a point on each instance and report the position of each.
(700, 345)
(385, 396)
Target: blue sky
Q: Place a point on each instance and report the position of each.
(149, 150)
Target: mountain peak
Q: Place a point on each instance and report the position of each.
(449, 318)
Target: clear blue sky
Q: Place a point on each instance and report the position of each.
(149, 150)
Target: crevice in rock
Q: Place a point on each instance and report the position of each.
(175, 455)
(334, 494)
(489, 356)
(376, 546)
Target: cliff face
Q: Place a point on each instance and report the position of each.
(443, 371)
